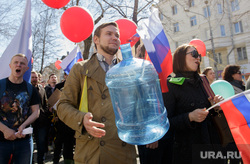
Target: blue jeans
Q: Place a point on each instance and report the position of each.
(21, 149)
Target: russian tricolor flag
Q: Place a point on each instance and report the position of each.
(134, 39)
(157, 46)
(74, 56)
(237, 113)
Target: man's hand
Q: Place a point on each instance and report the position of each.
(92, 127)
(198, 115)
(9, 134)
(20, 134)
(153, 145)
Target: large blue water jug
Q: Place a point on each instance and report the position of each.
(134, 87)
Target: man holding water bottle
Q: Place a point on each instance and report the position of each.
(96, 133)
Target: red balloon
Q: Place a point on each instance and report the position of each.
(199, 45)
(127, 29)
(77, 24)
(32, 60)
(56, 4)
(57, 64)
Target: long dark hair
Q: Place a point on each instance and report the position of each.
(228, 72)
(179, 59)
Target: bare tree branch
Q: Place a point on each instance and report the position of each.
(117, 9)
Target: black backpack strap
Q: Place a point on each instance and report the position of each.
(30, 88)
(2, 86)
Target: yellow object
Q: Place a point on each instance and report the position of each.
(84, 98)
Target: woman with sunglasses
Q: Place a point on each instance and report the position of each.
(186, 103)
(232, 74)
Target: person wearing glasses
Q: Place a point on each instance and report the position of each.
(186, 104)
(232, 74)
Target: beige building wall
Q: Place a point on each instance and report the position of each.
(225, 45)
(52, 69)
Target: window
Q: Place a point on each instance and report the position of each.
(193, 21)
(190, 3)
(222, 30)
(174, 9)
(218, 58)
(206, 11)
(242, 53)
(219, 8)
(235, 5)
(238, 27)
(176, 27)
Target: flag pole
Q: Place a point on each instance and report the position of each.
(232, 97)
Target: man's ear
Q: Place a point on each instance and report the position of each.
(96, 39)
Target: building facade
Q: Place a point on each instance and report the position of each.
(223, 25)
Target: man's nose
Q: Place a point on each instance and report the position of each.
(115, 37)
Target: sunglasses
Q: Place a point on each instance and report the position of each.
(195, 54)
(239, 72)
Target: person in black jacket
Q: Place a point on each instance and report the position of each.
(42, 124)
(186, 103)
(64, 137)
(49, 89)
(51, 85)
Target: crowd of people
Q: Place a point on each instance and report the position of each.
(91, 137)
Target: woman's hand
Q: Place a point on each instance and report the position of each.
(215, 100)
(198, 115)
(218, 98)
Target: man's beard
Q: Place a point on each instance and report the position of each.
(108, 50)
(34, 83)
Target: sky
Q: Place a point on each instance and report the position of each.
(66, 44)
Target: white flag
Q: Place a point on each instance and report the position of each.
(21, 43)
